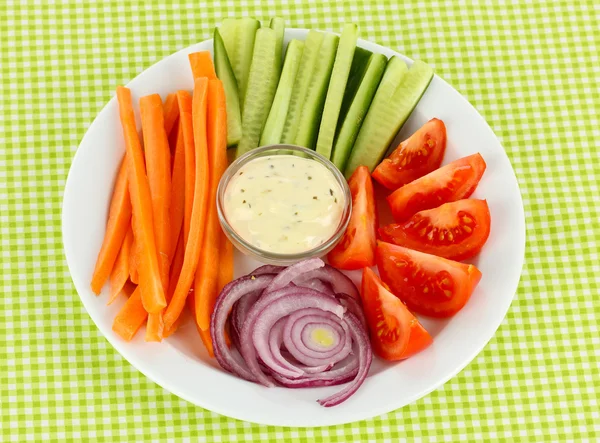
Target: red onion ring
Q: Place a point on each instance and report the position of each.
(274, 314)
(339, 281)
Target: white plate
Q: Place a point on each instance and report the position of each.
(181, 365)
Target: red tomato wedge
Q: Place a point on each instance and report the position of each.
(429, 285)
(416, 156)
(396, 334)
(455, 181)
(356, 249)
(456, 230)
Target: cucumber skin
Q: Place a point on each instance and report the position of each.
(244, 39)
(360, 63)
(278, 25)
(310, 117)
(373, 139)
(312, 45)
(335, 90)
(378, 113)
(262, 82)
(225, 73)
(276, 120)
(358, 109)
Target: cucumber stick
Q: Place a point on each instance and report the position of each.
(262, 82)
(310, 117)
(273, 129)
(388, 112)
(335, 91)
(278, 25)
(245, 32)
(308, 62)
(225, 73)
(228, 30)
(360, 91)
(360, 63)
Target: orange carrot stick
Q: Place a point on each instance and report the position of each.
(206, 282)
(189, 183)
(158, 164)
(177, 207)
(202, 65)
(193, 117)
(119, 216)
(152, 293)
(131, 316)
(120, 272)
(225, 262)
(158, 161)
(171, 112)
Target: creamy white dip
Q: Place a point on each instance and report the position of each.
(284, 203)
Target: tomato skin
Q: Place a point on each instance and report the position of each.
(456, 230)
(396, 333)
(416, 156)
(455, 181)
(356, 249)
(429, 285)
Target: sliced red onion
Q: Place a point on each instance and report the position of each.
(365, 357)
(269, 310)
(339, 281)
(352, 305)
(317, 285)
(247, 347)
(294, 271)
(231, 293)
(275, 312)
(302, 351)
(281, 366)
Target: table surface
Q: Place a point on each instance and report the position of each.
(530, 68)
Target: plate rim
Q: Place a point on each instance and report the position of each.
(121, 346)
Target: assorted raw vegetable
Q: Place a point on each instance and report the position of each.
(305, 325)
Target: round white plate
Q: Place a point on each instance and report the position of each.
(181, 365)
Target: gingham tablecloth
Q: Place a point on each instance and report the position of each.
(530, 68)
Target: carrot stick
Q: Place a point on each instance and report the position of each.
(171, 112)
(202, 65)
(177, 208)
(206, 282)
(158, 164)
(131, 316)
(193, 117)
(152, 293)
(158, 161)
(225, 262)
(189, 183)
(119, 216)
(120, 272)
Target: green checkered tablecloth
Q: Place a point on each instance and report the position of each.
(531, 68)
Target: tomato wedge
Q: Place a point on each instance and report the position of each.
(429, 285)
(455, 181)
(416, 156)
(356, 249)
(396, 334)
(456, 230)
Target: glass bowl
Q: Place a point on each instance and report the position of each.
(273, 257)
